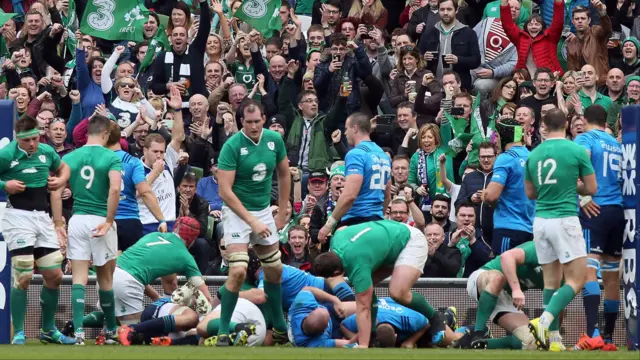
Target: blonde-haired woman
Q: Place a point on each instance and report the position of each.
(128, 102)
(369, 12)
(424, 169)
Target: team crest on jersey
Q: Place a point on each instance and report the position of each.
(271, 145)
(13, 164)
(42, 158)
(522, 162)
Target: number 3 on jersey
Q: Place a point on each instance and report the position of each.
(548, 180)
(379, 176)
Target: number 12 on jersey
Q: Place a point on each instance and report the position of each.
(552, 165)
(380, 174)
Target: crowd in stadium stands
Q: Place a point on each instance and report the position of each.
(438, 80)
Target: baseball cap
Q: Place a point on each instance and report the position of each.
(188, 229)
(278, 119)
(318, 175)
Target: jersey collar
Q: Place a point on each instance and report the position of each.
(248, 138)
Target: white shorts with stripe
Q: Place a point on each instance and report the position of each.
(83, 246)
(23, 228)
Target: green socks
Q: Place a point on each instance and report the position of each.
(49, 303)
(213, 326)
(107, 302)
(507, 342)
(558, 302)
(18, 301)
(94, 319)
(229, 300)
(274, 304)
(420, 304)
(486, 305)
(77, 305)
(547, 294)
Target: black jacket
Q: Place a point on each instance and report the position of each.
(464, 44)
(444, 263)
(422, 15)
(473, 182)
(198, 209)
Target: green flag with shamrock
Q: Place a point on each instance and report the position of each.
(70, 23)
(114, 20)
(159, 43)
(460, 138)
(263, 15)
(480, 135)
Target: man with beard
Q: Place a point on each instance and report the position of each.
(475, 183)
(443, 261)
(543, 81)
(330, 13)
(588, 94)
(440, 212)
(513, 215)
(183, 62)
(381, 64)
(403, 138)
(450, 45)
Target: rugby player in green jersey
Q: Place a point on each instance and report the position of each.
(95, 183)
(27, 228)
(553, 171)
(498, 288)
(370, 252)
(245, 171)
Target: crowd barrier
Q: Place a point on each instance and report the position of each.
(441, 293)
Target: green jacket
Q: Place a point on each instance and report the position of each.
(433, 165)
(320, 151)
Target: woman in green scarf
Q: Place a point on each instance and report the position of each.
(506, 91)
(424, 169)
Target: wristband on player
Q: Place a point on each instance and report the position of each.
(331, 222)
(584, 200)
(161, 222)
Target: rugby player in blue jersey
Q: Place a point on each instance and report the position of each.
(133, 180)
(514, 212)
(368, 170)
(602, 220)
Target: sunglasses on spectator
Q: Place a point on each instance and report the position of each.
(57, 120)
(309, 101)
(407, 48)
(129, 85)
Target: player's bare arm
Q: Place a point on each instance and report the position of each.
(588, 186)
(509, 261)
(149, 198)
(56, 214)
(115, 179)
(177, 133)
(530, 190)
(492, 193)
(410, 342)
(323, 296)
(284, 189)
(347, 197)
(363, 316)
(348, 334)
(62, 176)
(256, 296)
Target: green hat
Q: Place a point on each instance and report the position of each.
(337, 170)
(510, 131)
(632, 78)
(635, 42)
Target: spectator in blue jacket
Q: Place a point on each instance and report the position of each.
(88, 80)
(331, 73)
(207, 189)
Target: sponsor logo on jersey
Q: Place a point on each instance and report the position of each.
(271, 145)
(244, 151)
(21, 242)
(30, 171)
(13, 163)
(42, 158)
(235, 236)
(522, 162)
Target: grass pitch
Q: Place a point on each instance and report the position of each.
(34, 350)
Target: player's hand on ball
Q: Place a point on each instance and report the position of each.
(14, 187)
(518, 299)
(101, 230)
(258, 227)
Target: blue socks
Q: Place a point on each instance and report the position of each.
(611, 309)
(156, 327)
(591, 302)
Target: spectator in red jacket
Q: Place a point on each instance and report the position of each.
(536, 45)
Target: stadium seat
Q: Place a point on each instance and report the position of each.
(198, 171)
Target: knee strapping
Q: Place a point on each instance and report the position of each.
(527, 338)
(238, 259)
(21, 268)
(50, 261)
(271, 259)
(593, 263)
(610, 266)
